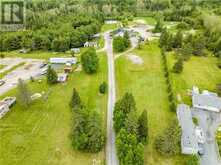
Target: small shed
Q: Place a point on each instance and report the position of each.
(62, 77)
(72, 60)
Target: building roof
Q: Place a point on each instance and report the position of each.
(71, 60)
(207, 101)
(189, 142)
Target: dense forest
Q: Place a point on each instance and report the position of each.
(52, 25)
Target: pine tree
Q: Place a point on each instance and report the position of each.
(143, 127)
(51, 75)
(23, 95)
(126, 39)
(178, 66)
(75, 102)
(178, 40)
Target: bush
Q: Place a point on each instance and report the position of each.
(169, 142)
(178, 66)
(90, 61)
(103, 88)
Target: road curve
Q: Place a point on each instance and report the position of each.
(111, 154)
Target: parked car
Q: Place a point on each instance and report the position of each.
(2, 82)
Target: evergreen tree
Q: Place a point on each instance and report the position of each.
(126, 39)
(51, 75)
(178, 40)
(122, 108)
(131, 124)
(186, 51)
(166, 40)
(23, 95)
(158, 27)
(178, 66)
(87, 132)
(75, 102)
(143, 127)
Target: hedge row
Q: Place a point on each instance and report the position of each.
(168, 82)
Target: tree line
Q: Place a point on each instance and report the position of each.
(131, 131)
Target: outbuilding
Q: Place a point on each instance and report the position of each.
(62, 77)
(71, 60)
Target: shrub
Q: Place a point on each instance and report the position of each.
(169, 142)
(103, 88)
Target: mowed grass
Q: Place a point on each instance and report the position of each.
(2, 66)
(41, 134)
(107, 27)
(148, 20)
(198, 71)
(147, 84)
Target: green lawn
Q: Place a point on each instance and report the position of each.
(2, 66)
(148, 86)
(40, 135)
(107, 27)
(199, 71)
(148, 20)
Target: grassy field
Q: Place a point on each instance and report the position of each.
(148, 20)
(107, 27)
(2, 66)
(147, 84)
(199, 71)
(40, 135)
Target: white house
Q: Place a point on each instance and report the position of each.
(71, 60)
(91, 44)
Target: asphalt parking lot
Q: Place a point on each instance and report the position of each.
(31, 68)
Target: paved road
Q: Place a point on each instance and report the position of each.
(111, 155)
(209, 122)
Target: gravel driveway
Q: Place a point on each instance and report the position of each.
(30, 69)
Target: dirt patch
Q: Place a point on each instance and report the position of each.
(135, 59)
